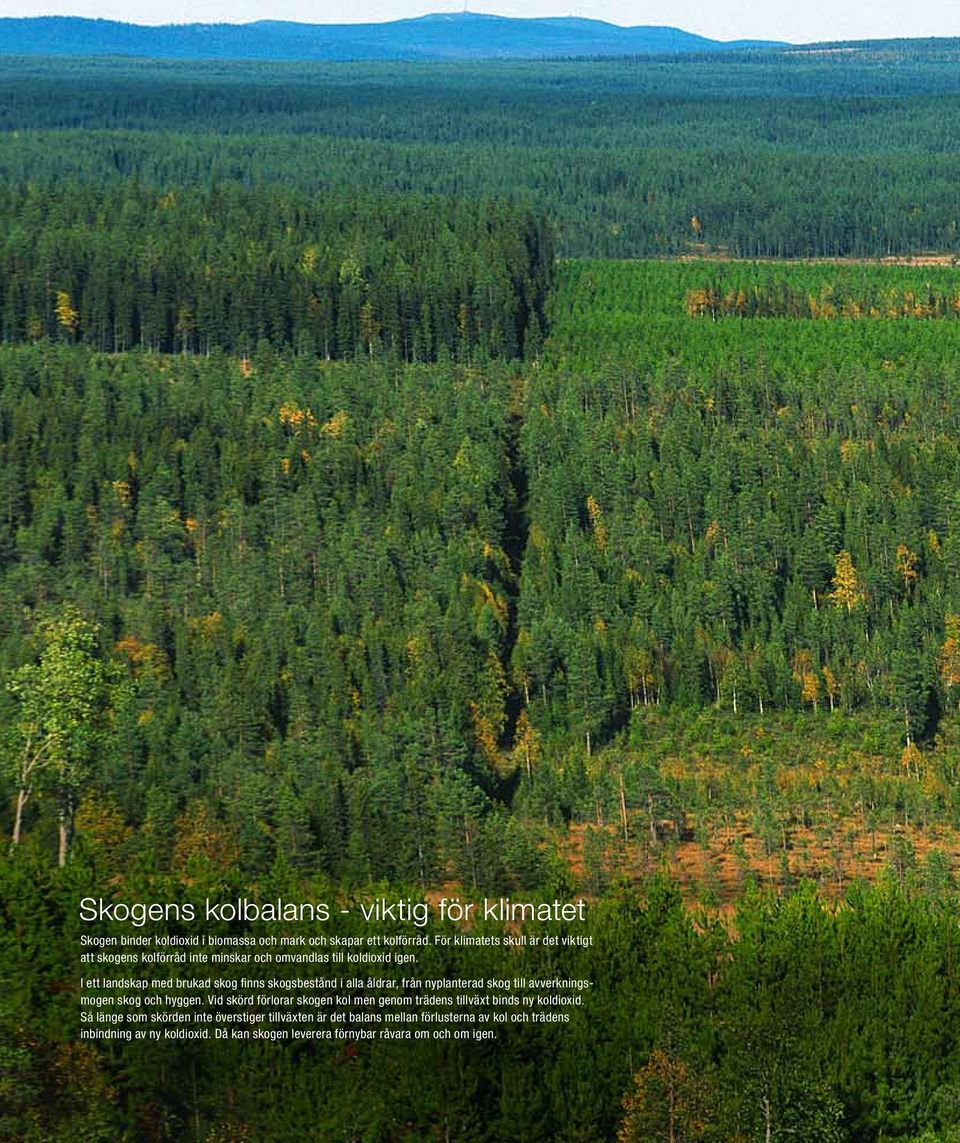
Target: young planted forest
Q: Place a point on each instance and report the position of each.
(367, 520)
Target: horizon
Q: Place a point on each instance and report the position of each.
(819, 22)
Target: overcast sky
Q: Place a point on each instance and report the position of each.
(800, 21)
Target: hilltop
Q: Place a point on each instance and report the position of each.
(442, 36)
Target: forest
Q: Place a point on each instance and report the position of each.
(350, 538)
(774, 154)
(189, 271)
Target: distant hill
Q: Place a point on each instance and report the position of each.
(455, 36)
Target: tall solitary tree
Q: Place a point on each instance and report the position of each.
(62, 699)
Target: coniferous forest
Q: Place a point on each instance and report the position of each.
(449, 477)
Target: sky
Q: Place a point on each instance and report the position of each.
(799, 21)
